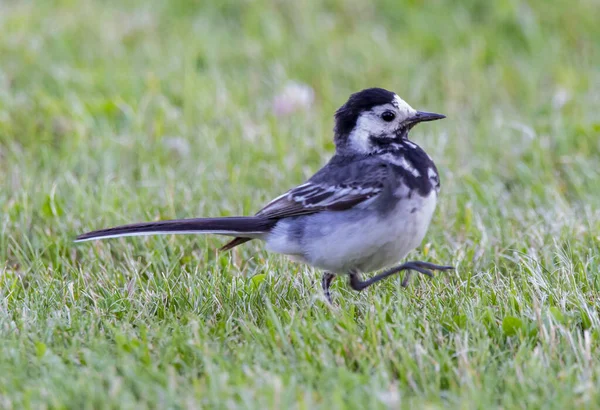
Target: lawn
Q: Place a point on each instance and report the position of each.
(122, 111)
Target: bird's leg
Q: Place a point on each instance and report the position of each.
(422, 267)
(326, 280)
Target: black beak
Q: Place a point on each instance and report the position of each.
(422, 116)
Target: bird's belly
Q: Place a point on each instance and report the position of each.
(363, 240)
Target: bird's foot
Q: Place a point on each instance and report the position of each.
(422, 267)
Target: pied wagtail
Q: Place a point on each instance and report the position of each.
(364, 210)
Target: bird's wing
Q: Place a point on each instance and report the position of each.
(340, 185)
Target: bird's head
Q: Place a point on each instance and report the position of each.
(373, 119)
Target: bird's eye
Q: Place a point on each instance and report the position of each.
(388, 116)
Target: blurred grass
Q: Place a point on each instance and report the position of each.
(113, 112)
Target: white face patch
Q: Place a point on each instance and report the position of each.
(404, 110)
(370, 123)
(359, 137)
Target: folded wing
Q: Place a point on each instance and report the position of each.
(336, 187)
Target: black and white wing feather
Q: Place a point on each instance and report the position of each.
(336, 187)
(313, 197)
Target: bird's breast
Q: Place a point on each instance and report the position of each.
(413, 168)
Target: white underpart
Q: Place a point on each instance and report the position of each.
(356, 239)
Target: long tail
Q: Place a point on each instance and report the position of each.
(239, 226)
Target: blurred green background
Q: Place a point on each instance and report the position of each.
(114, 112)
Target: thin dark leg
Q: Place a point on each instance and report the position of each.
(422, 267)
(326, 280)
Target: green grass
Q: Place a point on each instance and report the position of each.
(113, 112)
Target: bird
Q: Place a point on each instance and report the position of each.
(363, 211)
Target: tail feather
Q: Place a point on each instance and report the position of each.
(239, 226)
(233, 243)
